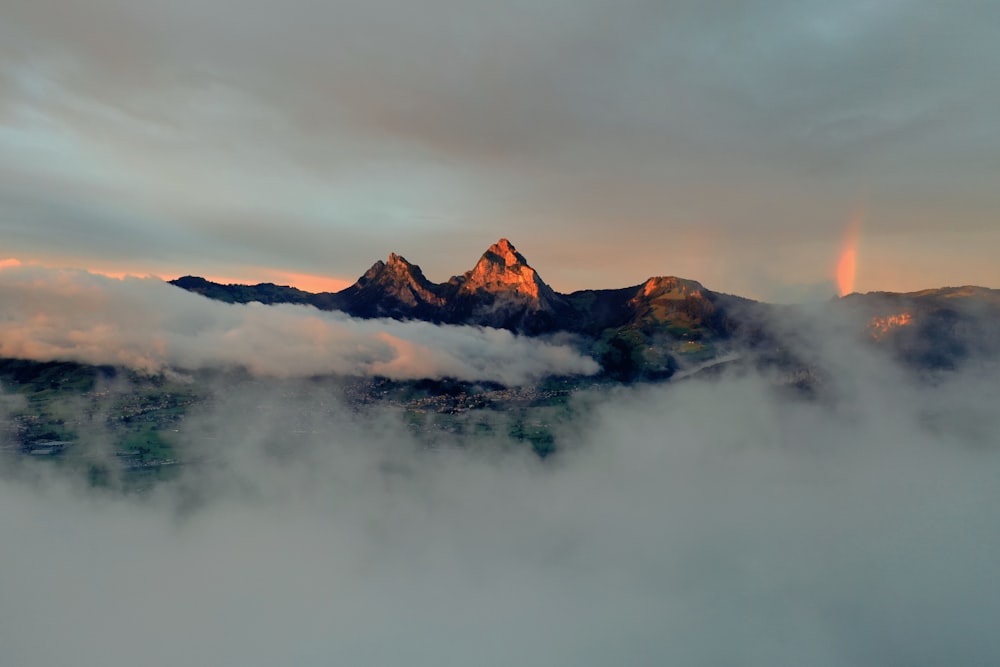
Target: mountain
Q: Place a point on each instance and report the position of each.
(504, 272)
(266, 293)
(650, 330)
(935, 328)
(394, 289)
(502, 290)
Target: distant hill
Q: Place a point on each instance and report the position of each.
(935, 328)
(267, 293)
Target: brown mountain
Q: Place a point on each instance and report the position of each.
(934, 328)
(503, 273)
(502, 290)
(396, 289)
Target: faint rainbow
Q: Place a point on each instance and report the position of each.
(847, 264)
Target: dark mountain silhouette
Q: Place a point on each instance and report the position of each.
(267, 293)
(394, 289)
(935, 328)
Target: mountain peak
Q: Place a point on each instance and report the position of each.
(503, 270)
(678, 287)
(506, 251)
(394, 267)
(397, 279)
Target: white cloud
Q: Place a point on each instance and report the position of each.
(146, 324)
(690, 523)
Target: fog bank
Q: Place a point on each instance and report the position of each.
(149, 325)
(698, 523)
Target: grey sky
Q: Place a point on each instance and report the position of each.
(728, 142)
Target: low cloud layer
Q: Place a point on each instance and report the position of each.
(695, 523)
(149, 325)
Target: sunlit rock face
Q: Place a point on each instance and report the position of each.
(504, 272)
(502, 290)
(671, 287)
(933, 329)
(880, 326)
(680, 304)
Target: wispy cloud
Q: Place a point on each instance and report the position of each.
(691, 523)
(146, 324)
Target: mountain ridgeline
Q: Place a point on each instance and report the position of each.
(646, 331)
(634, 331)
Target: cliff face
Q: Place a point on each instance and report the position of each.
(502, 290)
(395, 288)
(403, 281)
(502, 271)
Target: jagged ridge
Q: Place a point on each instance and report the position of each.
(646, 330)
(502, 290)
(395, 288)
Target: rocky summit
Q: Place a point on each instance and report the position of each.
(395, 288)
(504, 271)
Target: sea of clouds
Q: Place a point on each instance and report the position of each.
(720, 521)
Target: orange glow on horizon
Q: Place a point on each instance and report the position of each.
(847, 265)
(13, 262)
(122, 275)
(304, 281)
(311, 282)
(222, 280)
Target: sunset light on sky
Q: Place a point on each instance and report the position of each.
(300, 142)
(847, 265)
(559, 333)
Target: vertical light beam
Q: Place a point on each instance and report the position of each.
(848, 263)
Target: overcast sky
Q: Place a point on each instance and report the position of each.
(729, 142)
